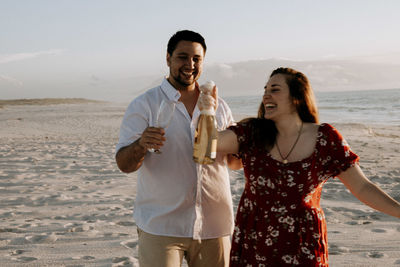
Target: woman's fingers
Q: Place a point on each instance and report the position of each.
(214, 94)
(206, 102)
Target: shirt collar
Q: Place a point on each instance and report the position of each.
(170, 91)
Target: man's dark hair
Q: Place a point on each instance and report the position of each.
(185, 35)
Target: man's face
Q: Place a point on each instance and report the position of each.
(185, 64)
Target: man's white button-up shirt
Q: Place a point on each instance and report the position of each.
(176, 196)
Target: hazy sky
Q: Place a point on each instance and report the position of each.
(63, 48)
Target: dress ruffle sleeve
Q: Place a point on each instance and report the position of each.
(243, 131)
(337, 155)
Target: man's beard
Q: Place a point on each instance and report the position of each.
(184, 82)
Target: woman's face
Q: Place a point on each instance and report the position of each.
(277, 100)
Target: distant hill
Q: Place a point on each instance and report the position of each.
(249, 78)
(233, 79)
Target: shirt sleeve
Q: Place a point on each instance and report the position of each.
(338, 155)
(226, 118)
(134, 122)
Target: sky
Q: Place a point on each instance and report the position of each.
(99, 49)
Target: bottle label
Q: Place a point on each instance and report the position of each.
(213, 153)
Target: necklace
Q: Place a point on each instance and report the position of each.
(284, 159)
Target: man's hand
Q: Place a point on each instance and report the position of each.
(152, 137)
(130, 158)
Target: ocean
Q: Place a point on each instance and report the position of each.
(369, 106)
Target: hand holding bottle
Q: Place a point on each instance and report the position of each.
(205, 139)
(208, 98)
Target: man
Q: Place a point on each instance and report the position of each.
(182, 209)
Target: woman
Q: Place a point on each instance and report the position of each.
(287, 157)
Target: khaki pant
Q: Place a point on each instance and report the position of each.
(165, 251)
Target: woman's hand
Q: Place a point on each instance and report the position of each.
(208, 99)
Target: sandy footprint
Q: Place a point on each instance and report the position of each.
(59, 217)
(124, 261)
(25, 259)
(130, 243)
(375, 254)
(377, 230)
(29, 225)
(73, 224)
(43, 238)
(337, 250)
(10, 230)
(126, 223)
(360, 222)
(76, 227)
(19, 241)
(353, 222)
(6, 214)
(17, 252)
(122, 234)
(86, 258)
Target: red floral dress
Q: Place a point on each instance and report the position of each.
(279, 220)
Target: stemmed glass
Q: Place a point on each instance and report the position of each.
(164, 116)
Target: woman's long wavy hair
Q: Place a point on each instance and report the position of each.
(303, 99)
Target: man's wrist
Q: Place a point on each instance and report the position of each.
(140, 147)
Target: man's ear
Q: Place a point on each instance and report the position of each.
(168, 59)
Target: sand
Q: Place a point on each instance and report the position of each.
(63, 201)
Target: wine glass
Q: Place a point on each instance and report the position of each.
(164, 116)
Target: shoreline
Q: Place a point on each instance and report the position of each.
(45, 101)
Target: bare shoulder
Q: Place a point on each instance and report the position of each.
(308, 139)
(310, 133)
(310, 129)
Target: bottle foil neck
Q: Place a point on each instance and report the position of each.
(210, 112)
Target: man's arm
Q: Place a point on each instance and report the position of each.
(130, 158)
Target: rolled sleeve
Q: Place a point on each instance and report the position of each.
(134, 122)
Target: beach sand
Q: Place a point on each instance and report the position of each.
(63, 201)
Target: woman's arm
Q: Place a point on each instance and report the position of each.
(227, 142)
(363, 189)
(234, 163)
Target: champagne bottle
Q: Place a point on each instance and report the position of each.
(205, 139)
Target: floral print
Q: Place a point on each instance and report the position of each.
(279, 220)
